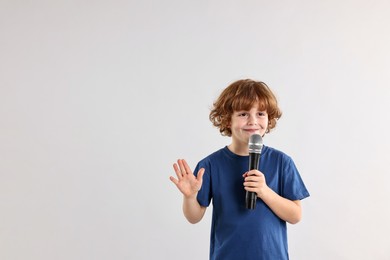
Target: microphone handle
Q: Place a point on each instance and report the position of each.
(251, 197)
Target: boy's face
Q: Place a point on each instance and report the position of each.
(245, 123)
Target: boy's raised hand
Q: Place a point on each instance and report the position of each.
(186, 181)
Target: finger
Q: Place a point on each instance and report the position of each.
(175, 181)
(253, 180)
(250, 189)
(187, 167)
(178, 172)
(181, 166)
(250, 184)
(253, 176)
(254, 173)
(200, 174)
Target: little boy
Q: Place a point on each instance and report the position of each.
(244, 108)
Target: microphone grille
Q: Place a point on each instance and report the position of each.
(255, 143)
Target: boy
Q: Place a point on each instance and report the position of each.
(244, 108)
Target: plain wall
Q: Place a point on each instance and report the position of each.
(99, 98)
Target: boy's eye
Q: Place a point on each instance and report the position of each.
(242, 114)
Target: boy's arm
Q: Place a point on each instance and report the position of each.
(192, 210)
(285, 209)
(189, 185)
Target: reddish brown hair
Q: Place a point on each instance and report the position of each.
(242, 95)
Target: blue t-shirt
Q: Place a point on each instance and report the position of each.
(237, 232)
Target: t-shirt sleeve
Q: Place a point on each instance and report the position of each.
(293, 185)
(204, 194)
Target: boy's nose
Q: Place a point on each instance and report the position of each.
(252, 120)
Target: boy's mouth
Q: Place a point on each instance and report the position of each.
(252, 131)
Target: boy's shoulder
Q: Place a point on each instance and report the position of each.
(273, 152)
(217, 154)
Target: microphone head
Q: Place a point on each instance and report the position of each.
(255, 143)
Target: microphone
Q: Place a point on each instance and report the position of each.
(255, 145)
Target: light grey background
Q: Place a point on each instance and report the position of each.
(99, 98)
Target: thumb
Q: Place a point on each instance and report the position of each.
(200, 174)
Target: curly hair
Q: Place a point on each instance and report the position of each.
(242, 95)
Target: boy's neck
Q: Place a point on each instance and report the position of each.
(239, 149)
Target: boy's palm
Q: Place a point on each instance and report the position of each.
(187, 183)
